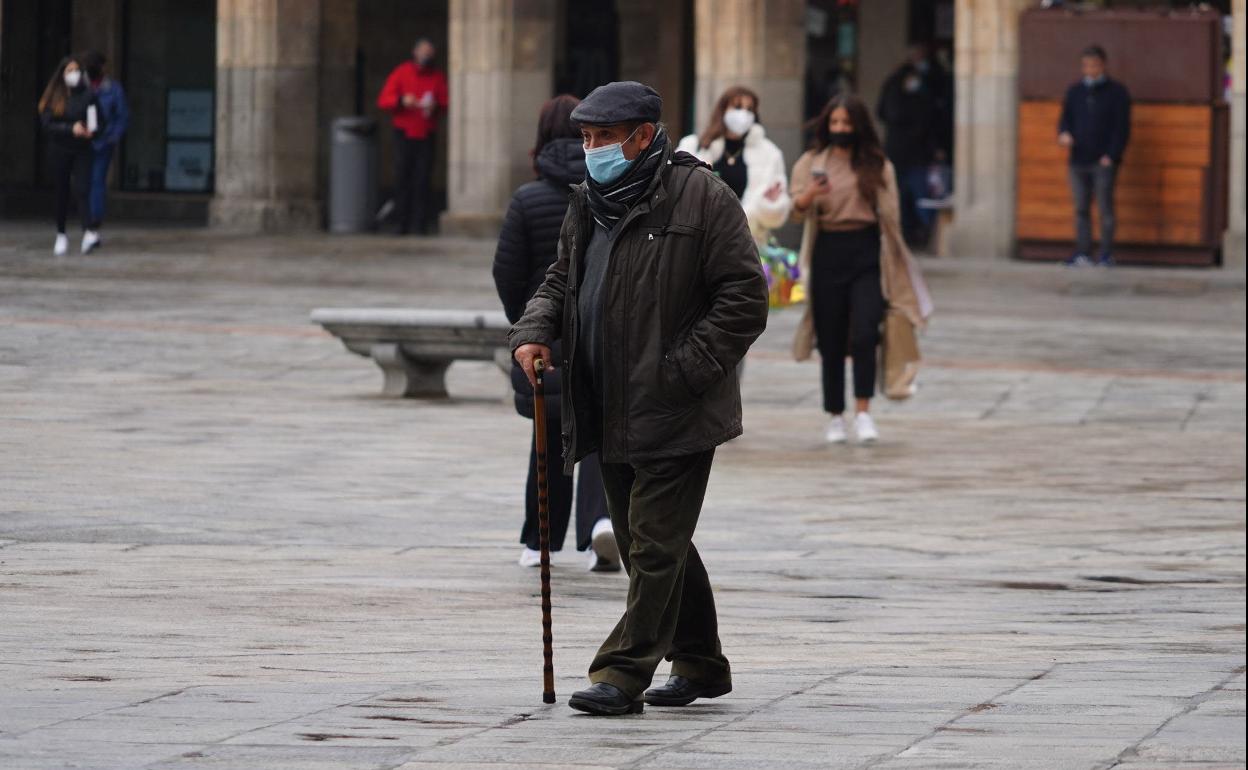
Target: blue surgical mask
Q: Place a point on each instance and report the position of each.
(607, 163)
(1096, 81)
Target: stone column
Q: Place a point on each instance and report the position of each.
(652, 48)
(760, 44)
(1233, 245)
(985, 126)
(501, 69)
(267, 115)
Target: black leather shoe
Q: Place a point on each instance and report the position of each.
(681, 692)
(605, 700)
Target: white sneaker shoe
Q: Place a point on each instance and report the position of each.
(604, 552)
(837, 432)
(90, 239)
(61, 247)
(530, 558)
(864, 428)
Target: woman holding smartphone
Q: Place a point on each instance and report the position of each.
(69, 116)
(855, 262)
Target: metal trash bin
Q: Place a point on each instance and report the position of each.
(352, 174)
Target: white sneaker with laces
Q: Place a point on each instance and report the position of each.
(837, 432)
(61, 247)
(90, 239)
(864, 428)
(530, 558)
(604, 552)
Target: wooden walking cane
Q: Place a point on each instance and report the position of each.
(543, 530)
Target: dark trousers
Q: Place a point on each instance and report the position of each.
(71, 175)
(413, 173)
(1085, 182)
(848, 306)
(670, 611)
(912, 181)
(99, 183)
(591, 501)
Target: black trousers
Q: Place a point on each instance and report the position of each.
(413, 174)
(848, 306)
(591, 502)
(671, 609)
(71, 175)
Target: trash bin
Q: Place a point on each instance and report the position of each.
(352, 174)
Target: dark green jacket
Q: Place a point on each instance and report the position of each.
(684, 299)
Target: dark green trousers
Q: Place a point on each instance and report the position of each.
(671, 612)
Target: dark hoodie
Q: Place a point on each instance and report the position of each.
(529, 239)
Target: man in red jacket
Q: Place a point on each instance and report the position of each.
(414, 94)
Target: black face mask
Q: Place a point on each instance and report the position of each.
(842, 138)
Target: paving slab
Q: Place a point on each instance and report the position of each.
(221, 548)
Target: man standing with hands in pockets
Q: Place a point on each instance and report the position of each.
(414, 95)
(657, 293)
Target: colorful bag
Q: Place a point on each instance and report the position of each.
(782, 271)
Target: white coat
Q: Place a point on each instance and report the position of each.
(764, 162)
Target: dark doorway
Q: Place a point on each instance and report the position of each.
(588, 47)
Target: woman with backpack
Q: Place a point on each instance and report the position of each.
(526, 248)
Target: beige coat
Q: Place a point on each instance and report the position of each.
(901, 280)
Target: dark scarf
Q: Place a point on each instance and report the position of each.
(609, 203)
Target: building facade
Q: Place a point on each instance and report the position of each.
(234, 97)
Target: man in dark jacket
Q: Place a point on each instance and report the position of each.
(1095, 125)
(656, 295)
(912, 109)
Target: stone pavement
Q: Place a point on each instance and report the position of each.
(220, 548)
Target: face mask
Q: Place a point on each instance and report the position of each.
(607, 164)
(73, 78)
(738, 121)
(1096, 81)
(842, 138)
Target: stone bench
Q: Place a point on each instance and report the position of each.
(414, 348)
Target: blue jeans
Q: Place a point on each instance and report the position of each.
(99, 184)
(913, 183)
(1086, 181)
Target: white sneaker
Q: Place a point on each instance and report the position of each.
(864, 428)
(604, 552)
(90, 239)
(530, 558)
(837, 432)
(61, 246)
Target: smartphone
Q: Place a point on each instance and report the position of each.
(93, 119)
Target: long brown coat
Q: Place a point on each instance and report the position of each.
(901, 280)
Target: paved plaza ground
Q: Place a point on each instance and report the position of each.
(220, 547)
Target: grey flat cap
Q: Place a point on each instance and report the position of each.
(620, 102)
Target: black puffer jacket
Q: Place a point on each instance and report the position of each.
(528, 244)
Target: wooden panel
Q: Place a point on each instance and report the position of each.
(1160, 196)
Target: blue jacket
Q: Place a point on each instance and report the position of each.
(114, 114)
(1099, 118)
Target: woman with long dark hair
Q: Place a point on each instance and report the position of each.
(735, 145)
(526, 248)
(856, 264)
(70, 118)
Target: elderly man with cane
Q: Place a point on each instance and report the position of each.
(657, 294)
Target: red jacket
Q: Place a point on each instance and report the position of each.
(408, 78)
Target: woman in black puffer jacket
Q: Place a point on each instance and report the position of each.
(526, 248)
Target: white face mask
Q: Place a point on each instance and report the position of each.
(738, 120)
(73, 78)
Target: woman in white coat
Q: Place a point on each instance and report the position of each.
(735, 145)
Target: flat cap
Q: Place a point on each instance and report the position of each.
(620, 102)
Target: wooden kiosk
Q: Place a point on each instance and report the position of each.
(1172, 188)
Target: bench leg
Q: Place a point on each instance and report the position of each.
(409, 378)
